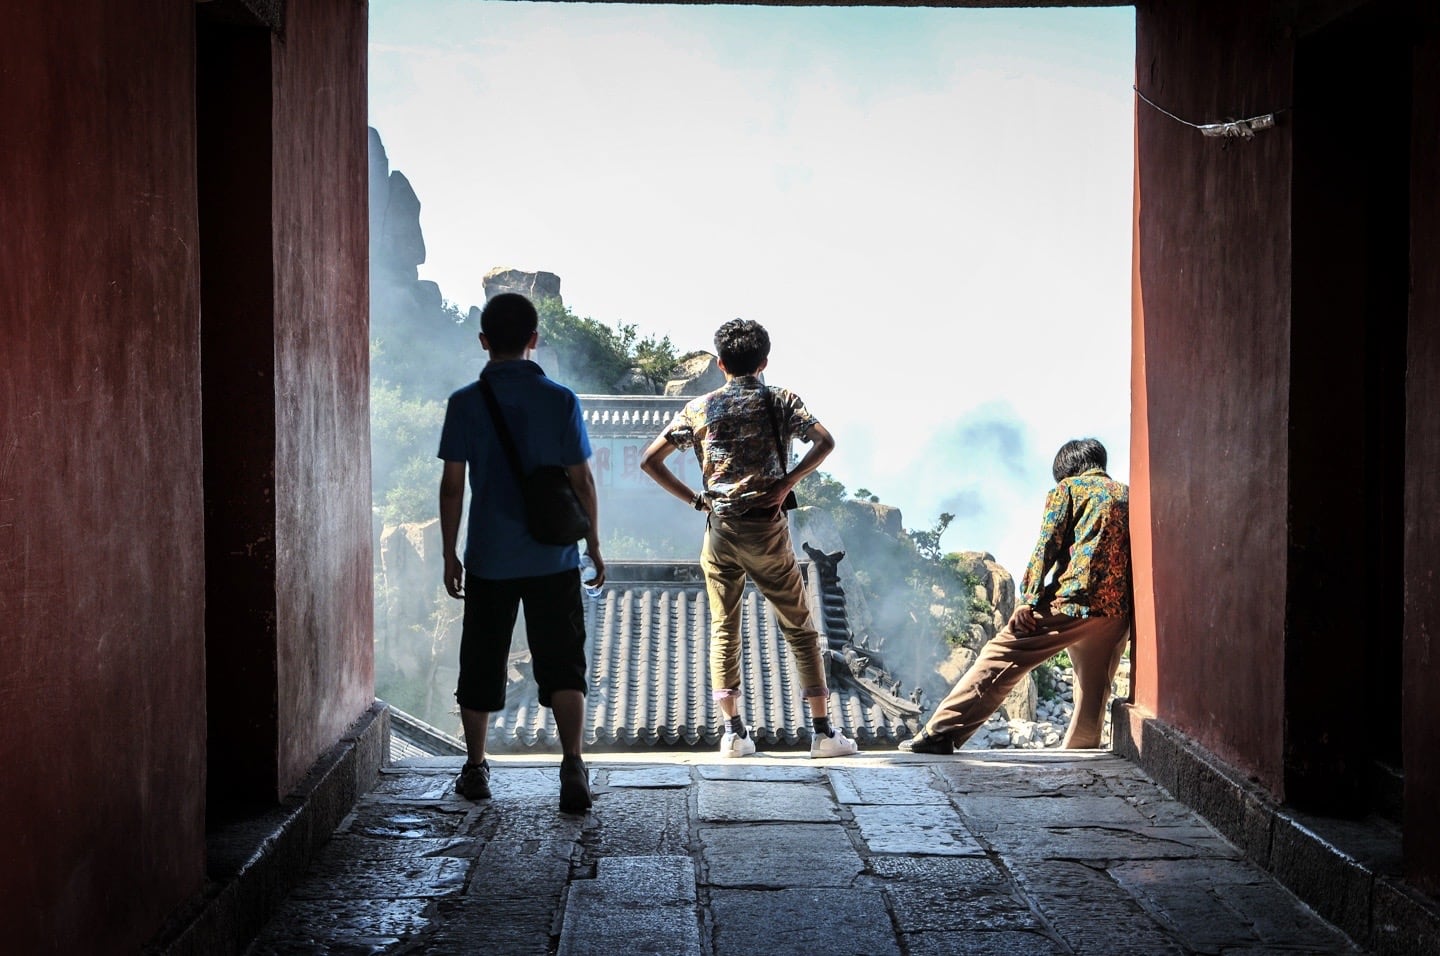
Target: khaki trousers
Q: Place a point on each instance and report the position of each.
(1096, 645)
(761, 549)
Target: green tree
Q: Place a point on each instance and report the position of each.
(928, 542)
(404, 433)
(595, 358)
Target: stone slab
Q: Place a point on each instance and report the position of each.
(921, 830)
(948, 895)
(383, 879)
(639, 822)
(414, 786)
(986, 813)
(633, 905)
(347, 846)
(996, 943)
(1336, 884)
(897, 786)
(523, 820)
(1090, 913)
(488, 927)
(758, 771)
(779, 855)
(721, 801)
(1218, 905)
(1107, 842)
(538, 785)
(405, 821)
(802, 922)
(522, 869)
(664, 776)
(301, 924)
(1027, 773)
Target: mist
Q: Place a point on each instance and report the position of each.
(928, 208)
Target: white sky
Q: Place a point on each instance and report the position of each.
(929, 209)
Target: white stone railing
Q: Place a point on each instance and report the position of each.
(625, 414)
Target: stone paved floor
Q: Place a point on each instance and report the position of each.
(882, 853)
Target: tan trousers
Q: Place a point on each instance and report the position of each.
(761, 549)
(1096, 645)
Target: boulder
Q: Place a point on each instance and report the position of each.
(1020, 703)
(532, 285)
(412, 569)
(886, 519)
(956, 664)
(428, 299)
(400, 247)
(696, 374)
(994, 584)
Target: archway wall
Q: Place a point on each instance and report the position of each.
(101, 513)
(323, 600)
(1421, 680)
(1213, 260)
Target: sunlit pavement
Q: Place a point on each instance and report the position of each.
(985, 852)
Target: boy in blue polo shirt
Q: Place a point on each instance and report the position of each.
(504, 565)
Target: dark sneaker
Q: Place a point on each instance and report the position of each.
(575, 795)
(474, 781)
(927, 743)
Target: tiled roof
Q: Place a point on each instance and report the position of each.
(648, 670)
(412, 737)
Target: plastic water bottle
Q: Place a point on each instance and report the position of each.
(588, 574)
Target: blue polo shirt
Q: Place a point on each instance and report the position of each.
(545, 421)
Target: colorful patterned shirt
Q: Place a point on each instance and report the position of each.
(1085, 540)
(735, 442)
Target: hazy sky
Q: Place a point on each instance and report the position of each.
(929, 209)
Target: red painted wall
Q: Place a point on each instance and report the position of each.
(102, 519)
(1214, 306)
(101, 559)
(325, 653)
(1421, 738)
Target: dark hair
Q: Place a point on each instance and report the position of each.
(508, 320)
(742, 345)
(1076, 456)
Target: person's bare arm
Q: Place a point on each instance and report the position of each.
(822, 443)
(582, 479)
(452, 502)
(652, 462)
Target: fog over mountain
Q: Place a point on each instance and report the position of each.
(930, 209)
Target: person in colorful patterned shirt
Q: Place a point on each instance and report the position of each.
(1075, 595)
(741, 435)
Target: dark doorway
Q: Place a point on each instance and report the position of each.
(1347, 427)
(233, 106)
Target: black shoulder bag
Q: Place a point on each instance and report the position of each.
(790, 503)
(553, 513)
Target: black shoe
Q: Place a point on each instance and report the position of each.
(474, 781)
(575, 795)
(927, 743)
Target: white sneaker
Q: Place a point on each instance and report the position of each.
(733, 745)
(837, 746)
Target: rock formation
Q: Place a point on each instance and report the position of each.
(532, 285)
(696, 374)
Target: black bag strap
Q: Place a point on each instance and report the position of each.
(502, 431)
(775, 430)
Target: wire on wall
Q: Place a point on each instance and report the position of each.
(1230, 129)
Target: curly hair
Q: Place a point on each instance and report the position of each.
(743, 345)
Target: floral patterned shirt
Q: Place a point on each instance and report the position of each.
(734, 439)
(1085, 540)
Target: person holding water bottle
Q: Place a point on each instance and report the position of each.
(504, 565)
